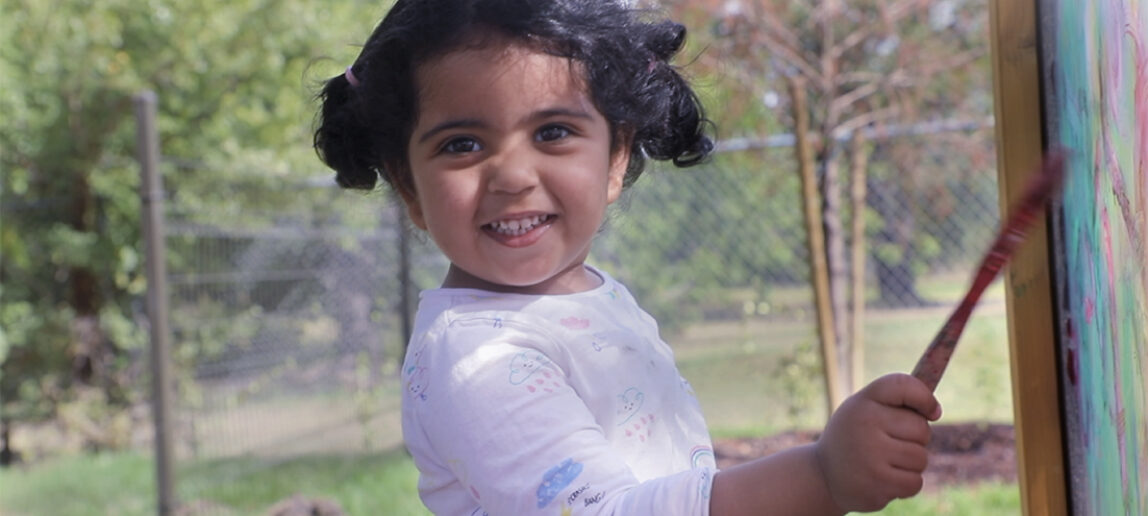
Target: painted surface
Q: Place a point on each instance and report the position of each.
(1098, 73)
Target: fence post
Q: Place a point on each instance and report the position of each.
(859, 165)
(405, 298)
(152, 206)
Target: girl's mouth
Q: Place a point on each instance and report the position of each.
(518, 227)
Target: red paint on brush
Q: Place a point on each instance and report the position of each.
(1070, 366)
(1041, 187)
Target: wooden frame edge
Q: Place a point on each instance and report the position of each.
(1028, 285)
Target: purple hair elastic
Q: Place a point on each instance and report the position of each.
(350, 75)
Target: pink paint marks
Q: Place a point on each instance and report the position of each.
(1117, 393)
(1132, 224)
(1071, 368)
(1138, 226)
(1140, 106)
(575, 323)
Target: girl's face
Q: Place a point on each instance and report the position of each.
(512, 168)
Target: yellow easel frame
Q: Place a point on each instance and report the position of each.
(1028, 285)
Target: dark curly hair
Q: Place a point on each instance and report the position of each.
(363, 129)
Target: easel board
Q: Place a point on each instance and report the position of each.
(1095, 76)
(1074, 74)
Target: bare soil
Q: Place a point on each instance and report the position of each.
(959, 454)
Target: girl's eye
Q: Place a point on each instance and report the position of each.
(461, 145)
(551, 133)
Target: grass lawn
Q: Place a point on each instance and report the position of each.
(376, 484)
(737, 368)
(123, 485)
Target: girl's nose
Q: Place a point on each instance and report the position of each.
(512, 171)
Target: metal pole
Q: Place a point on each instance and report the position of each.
(151, 203)
(884, 132)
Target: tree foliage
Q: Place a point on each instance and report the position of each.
(235, 81)
(865, 67)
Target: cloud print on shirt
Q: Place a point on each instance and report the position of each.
(523, 365)
(556, 479)
(631, 402)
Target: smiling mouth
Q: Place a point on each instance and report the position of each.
(516, 227)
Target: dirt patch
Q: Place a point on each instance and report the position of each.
(959, 454)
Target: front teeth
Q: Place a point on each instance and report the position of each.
(517, 227)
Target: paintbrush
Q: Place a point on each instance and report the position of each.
(1041, 187)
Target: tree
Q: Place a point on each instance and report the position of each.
(864, 65)
(233, 83)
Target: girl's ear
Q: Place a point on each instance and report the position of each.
(411, 200)
(414, 209)
(619, 163)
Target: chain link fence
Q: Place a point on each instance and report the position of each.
(728, 239)
(287, 318)
(285, 325)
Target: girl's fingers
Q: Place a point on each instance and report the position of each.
(908, 457)
(904, 484)
(909, 426)
(902, 390)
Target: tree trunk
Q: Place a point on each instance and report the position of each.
(831, 217)
(88, 347)
(819, 273)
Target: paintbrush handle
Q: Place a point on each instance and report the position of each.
(1043, 185)
(933, 362)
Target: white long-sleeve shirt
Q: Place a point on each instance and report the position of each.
(570, 404)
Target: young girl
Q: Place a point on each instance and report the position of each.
(535, 383)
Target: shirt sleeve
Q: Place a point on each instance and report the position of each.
(494, 407)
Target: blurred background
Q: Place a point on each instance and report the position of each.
(287, 298)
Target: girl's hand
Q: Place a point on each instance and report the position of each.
(873, 449)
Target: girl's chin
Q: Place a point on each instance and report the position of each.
(521, 282)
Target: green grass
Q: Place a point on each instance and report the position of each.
(376, 484)
(366, 484)
(985, 499)
(736, 367)
(976, 385)
(123, 485)
(83, 485)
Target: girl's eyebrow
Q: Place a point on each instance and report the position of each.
(560, 111)
(448, 125)
(474, 122)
